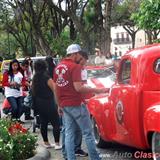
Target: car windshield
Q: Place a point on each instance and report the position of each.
(100, 73)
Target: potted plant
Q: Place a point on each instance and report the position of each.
(16, 142)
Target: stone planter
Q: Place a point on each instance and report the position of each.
(42, 154)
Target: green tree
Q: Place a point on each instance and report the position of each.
(148, 18)
(14, 24)
(121, 14)
(7, 51)
(86, 19)
(39, 23)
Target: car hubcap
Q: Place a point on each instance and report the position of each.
(156, 146)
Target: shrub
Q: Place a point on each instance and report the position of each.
(15, 141)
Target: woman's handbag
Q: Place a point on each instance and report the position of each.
(28, 100)
(6, 104)
(6, 107)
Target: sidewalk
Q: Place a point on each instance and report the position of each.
(55, 154)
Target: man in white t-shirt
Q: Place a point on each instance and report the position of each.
(100, 58)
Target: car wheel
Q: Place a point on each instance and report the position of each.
(99, 141)
(156, 146)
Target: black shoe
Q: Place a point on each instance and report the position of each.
(29, 118)
(81, 153)
(21, 122)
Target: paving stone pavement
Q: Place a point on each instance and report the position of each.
(55, 154)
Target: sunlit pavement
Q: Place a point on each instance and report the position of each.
(111, 152)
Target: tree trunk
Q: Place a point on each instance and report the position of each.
(133, 36)
(73, 33)
(149, 36)
(87, 43)
(107, 32)
(155, 34)
(98, 24)
(25, 51)
(132, 32)
(42, 44)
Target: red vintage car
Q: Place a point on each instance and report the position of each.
(130, 113)
(100, 76)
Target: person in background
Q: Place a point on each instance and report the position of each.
(50, 65)
(69, 87)
(1, 60)
(83, 63)
(29, 71)
(100, 58)
(116, 63)
(108, 60)
(26, 74)
(13, 81)
(44, 103)
(24, 70)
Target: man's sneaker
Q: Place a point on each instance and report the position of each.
(81, 153)
(29, 118)
(57, 147)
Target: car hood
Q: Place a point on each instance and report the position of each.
(100, 82)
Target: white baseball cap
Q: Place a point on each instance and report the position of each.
(73, 48)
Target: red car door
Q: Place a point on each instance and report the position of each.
(125, 106)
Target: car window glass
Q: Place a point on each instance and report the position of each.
(99, 73)
(125, 72)
(157, 66)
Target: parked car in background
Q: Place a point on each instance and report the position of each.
(100, 76)
(130, 113)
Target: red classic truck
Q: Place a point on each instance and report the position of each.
(130, 113)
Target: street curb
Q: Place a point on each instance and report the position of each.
(42, 154)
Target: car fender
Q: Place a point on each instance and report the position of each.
(97, 107)
(152, 120)
(96, 104)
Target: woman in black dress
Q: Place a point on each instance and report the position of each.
(44, 103)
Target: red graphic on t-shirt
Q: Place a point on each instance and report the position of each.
(60, 71)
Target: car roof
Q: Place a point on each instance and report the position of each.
(143, 51)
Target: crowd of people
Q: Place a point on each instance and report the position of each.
(105, 60)
(58, 93)
(16, 82)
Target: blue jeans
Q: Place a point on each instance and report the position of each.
(78, 116)
(77, 141)
(16, 106)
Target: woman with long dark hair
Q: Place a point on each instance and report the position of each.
(44, 103)
(50, 66)
(13, 81)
